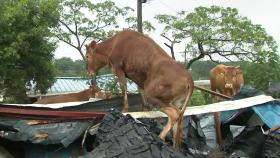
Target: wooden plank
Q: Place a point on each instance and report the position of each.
(19, 112)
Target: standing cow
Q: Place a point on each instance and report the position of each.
(166, 84)
(226, 80)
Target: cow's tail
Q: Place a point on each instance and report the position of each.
(179, 131)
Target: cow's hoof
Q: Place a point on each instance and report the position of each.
(162, 137)
(125, 110)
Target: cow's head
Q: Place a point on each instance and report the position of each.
(95, 59)
(230, 77)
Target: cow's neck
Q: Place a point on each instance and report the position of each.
(105, 49)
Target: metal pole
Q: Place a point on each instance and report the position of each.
(139, 16)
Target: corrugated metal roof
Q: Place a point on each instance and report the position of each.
(104, 80)
(64, 85)
(67, 84)
(75, 84)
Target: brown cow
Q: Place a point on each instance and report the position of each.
(226, 80)
(93, 92)
(165, 83)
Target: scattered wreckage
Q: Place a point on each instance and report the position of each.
(250, 125)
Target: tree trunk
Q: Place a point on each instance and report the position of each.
(201, 55)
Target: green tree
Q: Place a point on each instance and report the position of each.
(264, 71)
(82, 20)
(197, 98)
(66, 67)
(131, 22)
(200, 69)
(218, 33)
(26, 46)
(79, 68)
(75, 27)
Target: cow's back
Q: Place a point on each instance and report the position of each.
(70, 97)
(140, 57)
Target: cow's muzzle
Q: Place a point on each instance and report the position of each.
(91, 74)
(228, 85)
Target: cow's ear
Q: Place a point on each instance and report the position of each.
(93, 44)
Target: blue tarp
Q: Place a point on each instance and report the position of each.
(227, 116)
(269, 113)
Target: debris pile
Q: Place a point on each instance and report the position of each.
(122, 136)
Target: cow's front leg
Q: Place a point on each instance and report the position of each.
(122, 80)
(217, 121)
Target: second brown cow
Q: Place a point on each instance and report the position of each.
(226, 80)
(166, 84)
(92, 92)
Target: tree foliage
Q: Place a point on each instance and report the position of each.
(131, 22)
(82, 20)
(263, 72)
(200, 69)
(222, 34)
(26, 46)
(218, 33)
(66, 67)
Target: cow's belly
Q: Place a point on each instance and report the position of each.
(138, 77)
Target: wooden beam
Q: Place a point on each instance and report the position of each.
(211, 92)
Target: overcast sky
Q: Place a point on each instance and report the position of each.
(264, 12)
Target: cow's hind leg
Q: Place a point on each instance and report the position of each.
(182, 101)
(145, 106)
(172, 113)
(160, 96)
